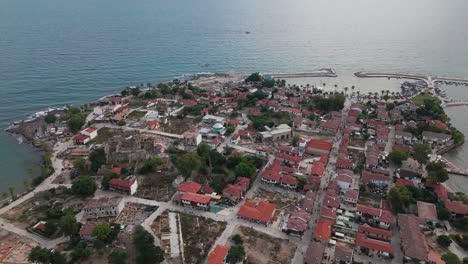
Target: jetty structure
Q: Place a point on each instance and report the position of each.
(325, 72)
(431, 81)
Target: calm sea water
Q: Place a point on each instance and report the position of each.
(57, 52)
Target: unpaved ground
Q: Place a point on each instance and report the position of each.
(260, 248)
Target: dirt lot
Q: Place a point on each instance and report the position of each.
(14, 249)
(34, 209)
(261, 248)
(157, 186)
(134, 214)
(199, 234)
(176, 125)
(283, 200)
(315, 136)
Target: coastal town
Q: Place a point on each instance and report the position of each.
(239, 168)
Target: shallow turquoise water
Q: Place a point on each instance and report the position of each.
(56, 52)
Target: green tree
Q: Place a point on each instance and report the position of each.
(80, 251)
(150, 165)
(84, 186)
(268, 83)
(245, 169)
(450, 258)
(436, 172)
(399, 198)
(187, 163)
(254, 77)
(121, 123)
(103, 232)
(421, 153)
(398, 156)
(76, 122)
(80, 165)
(45, 256)
(444, 241)
(68, 224)
(295, 140)
(50, 118)
(118, 257)
(11, 189)
(97, 158)
(204, 151)
(229, 130)
(147, 252)
(236, 254)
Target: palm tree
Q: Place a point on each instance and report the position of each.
(346, 90)
(4, 195)
(11, 189)
(352, 87)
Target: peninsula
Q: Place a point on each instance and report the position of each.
(226, 168)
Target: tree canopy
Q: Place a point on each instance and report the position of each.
(45, 256)
(399, 198)
(97, 158)
(147, 252)
(444, 241)
(398, 156)
(50, 118)
(421, 153)
(187, 163)
(245, 169)
(84, 186)
(254, 77)
(436, 172)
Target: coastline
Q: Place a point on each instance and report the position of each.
(16, 128)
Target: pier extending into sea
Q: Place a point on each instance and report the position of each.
(431, 81)
(325, 72)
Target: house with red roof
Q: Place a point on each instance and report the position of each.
(331, 200)
(81, 139)
(403, 182)
(128, 185)
(327, 213)
(319, 147)
(86, 231)
(330, 126)
(297, 223)
(344, 181)
(257, 211)
(322, 230)
(351, 196)
(153, 124)
(218, 255)
(375, 233)
(315, 253)
(195, 200)
(271, 175)
(440, 191)
(308, 202)
(189, 186)
(438, 124)
(344, 163)
(457, 209)
(378, 179)
(288, 181)
(372, 246)
(318, 168)
(288, 159)
(91, 132)
(373, 215)
(235, 192)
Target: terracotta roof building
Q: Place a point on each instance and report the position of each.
(196, 200)
(218, 255)
(323, 230)
(373, 246)
(374, 215)
(257, 211)
(189, 186)
(456, 209)
(314, 253)
(413, 241)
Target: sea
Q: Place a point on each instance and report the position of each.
(61, 52)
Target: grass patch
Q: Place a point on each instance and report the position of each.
(136, 115)
(104, 134)
(419, 99)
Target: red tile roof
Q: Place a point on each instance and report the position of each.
(90, 129)
(80, 138)
(196, 198)
(314, 253)
(288, 179)
(328, 214)
(384, 215)
(121, 184)
(189, 186)
(457, 207)
(271, 173)
(318, 144)
(260, 211)
(323, 230)
(233, 190)
(366, 229)
(365, 242)
(352, 194)
(87, 229)
(331, 201)
(412, 240)
(288, 157)
(317, 169)
(344, 163)
(218, 255)
(324, 159)
(440, 191)
(403, 182)
(116, 170)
